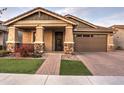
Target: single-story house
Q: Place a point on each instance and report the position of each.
(49, 31)
(119, 36)
(3, 36)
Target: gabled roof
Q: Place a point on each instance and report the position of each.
(81, 20)
(117, 26)
(38, 9)
(95, 27)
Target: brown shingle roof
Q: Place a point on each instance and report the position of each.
(81, 20)
(37, 9)
(117, 26)
(95, 27)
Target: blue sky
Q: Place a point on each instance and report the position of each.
(104, 16)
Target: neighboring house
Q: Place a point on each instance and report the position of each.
(3, 35)
(119, 36)
(49, 31)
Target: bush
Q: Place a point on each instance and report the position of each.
(4, 53)
(36, 55)
(26, 50)
(23, 52)
(1, 47)
(119, 48)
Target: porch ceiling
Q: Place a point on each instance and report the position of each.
(54, 28)
(27, 28)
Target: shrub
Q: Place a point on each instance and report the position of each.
(36, 55)
(119, 48)
(23, 52)
(4, 53)
(1, 47)
(26, 50)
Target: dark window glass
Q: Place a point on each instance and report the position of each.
(33, 36)
(86, 35)
(91, 35)
(79, 35)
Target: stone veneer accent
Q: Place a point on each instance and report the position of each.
(11, 47)
(110, 43)
(68, 48)
(39, 48)
(110, 47)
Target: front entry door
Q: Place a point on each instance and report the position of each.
(58, 41)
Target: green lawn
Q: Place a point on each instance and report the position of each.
(28, 66)
(73, 68)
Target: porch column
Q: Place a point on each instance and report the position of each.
(39, 42)
(12, 39)
(110, 43)
(69, 42)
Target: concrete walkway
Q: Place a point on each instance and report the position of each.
(26, 79)
(51, 65)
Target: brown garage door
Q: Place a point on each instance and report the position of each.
(90, 43)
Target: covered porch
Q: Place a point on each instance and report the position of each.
(41, 38)
(42, 29)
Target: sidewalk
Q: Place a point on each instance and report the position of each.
(26, 79)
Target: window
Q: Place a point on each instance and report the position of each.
(79, 35)
(86, 35)
(91, 35)
(34, 36)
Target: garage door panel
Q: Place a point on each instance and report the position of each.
(96, 43)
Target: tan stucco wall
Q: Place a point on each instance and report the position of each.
(53, 41)
(1, 38)
(27, 37)
(119, 38)
(69, 34)
(12, 35)
(110, 43)
(48, 40)
(39, 34)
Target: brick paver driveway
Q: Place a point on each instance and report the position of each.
(104, 63)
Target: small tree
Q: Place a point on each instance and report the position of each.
(2, 10)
